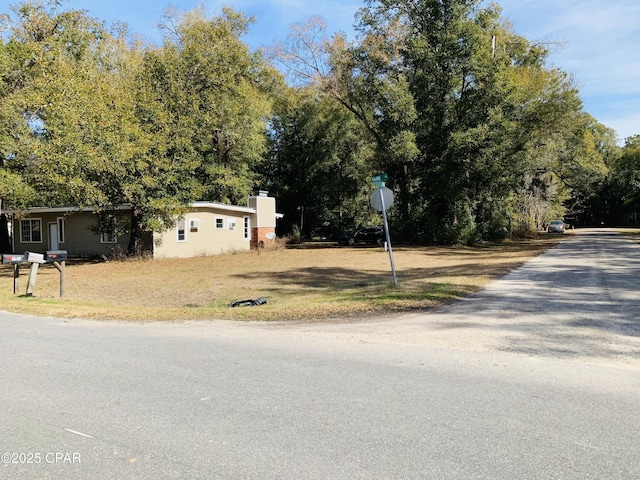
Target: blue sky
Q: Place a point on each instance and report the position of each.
(601, 38)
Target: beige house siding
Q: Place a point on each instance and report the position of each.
(203, 237)
(209, 229)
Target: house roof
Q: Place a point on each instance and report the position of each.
(222, 206)
(219, 206)
(59, 209)
(212, 205)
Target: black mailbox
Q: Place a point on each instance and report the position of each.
(55, 256)
(13, 258)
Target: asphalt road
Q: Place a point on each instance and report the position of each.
(536, 377)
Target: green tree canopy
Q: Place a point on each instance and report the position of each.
(474, 129)
(464, 115)
(622, 197)
(91, 120)
(317, 168)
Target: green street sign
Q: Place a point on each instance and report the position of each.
(381, 178)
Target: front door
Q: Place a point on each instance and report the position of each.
(53, 236)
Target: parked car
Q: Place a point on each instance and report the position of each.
(371, 235)
(556, 226)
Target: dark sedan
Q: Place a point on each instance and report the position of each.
(373, 235)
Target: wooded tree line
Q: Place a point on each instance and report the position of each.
(479, 136)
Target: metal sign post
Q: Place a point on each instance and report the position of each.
(382, 199)
(386, 231)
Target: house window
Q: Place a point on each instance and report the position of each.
(194, 224)
(246, 226)
(231, 224)
(108, 238)
(60, 230)
(110, 235)
(31, 230)
(219, 223)
(181, 229)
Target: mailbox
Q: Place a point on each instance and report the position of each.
(55, 256)
(12, 258)
(32, 257)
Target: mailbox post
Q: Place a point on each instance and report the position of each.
(15, 260)
(35, 259)
(59, 259)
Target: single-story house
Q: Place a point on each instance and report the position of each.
(208, 228)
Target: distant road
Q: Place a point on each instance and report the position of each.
(536, 377)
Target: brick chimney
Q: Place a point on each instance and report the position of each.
(263, 221)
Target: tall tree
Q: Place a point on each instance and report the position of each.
(216, 95)
(582, 165)
(361, 78)
(318, 167)
(481, 105)
(109, 123)
(622, 197)
(14, 191)
(85, 147)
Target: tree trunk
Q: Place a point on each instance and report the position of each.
(403, 184)
(135, 248)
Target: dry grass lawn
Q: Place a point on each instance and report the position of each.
(310, 282)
